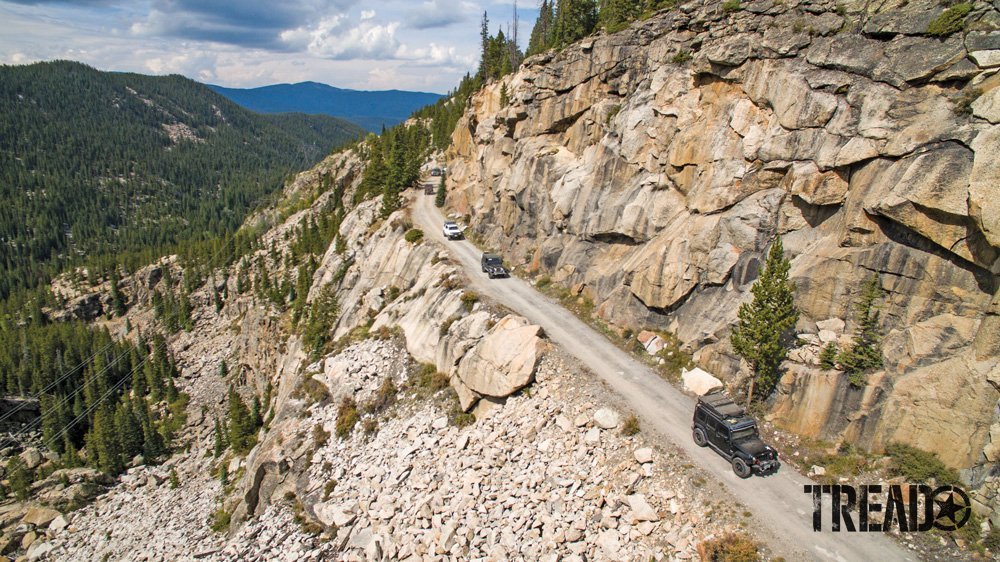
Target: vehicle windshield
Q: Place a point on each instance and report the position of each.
(746, 433)
(494, 261)
(450, 225)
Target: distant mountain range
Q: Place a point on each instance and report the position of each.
(370, 110)
(124, 166)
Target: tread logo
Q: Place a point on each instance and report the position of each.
(911, 508)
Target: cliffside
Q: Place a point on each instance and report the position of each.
(649, 171)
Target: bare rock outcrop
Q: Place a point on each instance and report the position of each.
(651, 169)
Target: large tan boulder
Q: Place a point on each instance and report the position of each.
(504, 361)
(40, 516)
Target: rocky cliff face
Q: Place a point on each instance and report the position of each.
(651, 169)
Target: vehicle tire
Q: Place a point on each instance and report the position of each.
(699, 437)
(741, 468)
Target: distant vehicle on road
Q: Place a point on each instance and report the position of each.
(451, 231)
(436, 172)
(429, 189)
(723, 425)
(492, 265)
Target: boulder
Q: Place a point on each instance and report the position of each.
(504, 361)
(58, 524)
(643, 455)
(699, 381)
(606, 418)
(641, 509)
(334, 515)
(31, 457)
(40, 516)
(835, 325)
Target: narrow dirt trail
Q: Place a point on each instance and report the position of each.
(778, 501)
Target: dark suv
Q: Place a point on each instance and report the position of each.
(724, 426)
(492, 265)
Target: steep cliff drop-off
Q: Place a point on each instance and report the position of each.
(652, 168)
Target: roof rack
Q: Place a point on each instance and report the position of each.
(722, 404)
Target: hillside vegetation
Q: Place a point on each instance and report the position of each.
(96, 164)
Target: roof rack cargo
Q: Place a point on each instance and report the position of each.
(722, 404)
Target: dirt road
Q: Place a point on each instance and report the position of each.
(781, 507)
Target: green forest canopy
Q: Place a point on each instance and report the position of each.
(88, 167)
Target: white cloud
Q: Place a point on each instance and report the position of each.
(367, 14)
(336, 37)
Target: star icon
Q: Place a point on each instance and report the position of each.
(951, 515)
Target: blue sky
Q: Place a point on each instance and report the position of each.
(424, 45)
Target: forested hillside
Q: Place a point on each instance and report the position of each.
(96, 164)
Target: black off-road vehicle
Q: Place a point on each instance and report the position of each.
(723, 425)
(492, 265)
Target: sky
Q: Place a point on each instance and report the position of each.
(419, 45)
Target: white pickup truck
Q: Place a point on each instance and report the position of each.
(451, 231)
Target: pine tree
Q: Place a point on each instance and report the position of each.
(19, 477)
(616, 14)
(106, 442)
(240, 424)
(219, 445)
(442, 194)
(322, 318)
(117, 300)
(255, 412)
(865, 353)
(762, 336)
(541, 33)
(575, 19)
(129, 429)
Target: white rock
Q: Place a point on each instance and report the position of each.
(593, 436)
(827, 336)
(832, 324)
(334, 514)
(606, 418)
(699, 381)
(641, 509)
(817, 470)
(608, 542)
(440, 423)
(564, 423)
(581, 420)
(58, 524)
(644, 455)
(39, 549)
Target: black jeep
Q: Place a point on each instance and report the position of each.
(723, 425)
(492, 265)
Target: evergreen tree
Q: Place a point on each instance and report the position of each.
(218, 445)
(117, 300)
(241, 428)
(106, 442)
(574, 19)
(19, 477)
(865, 353)
(762, 336)
(255, 413)
(442, 193)
(70, 457)
(541, 33)
(322, 318)
(615, 15)
(129, 429)
(153, 444)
